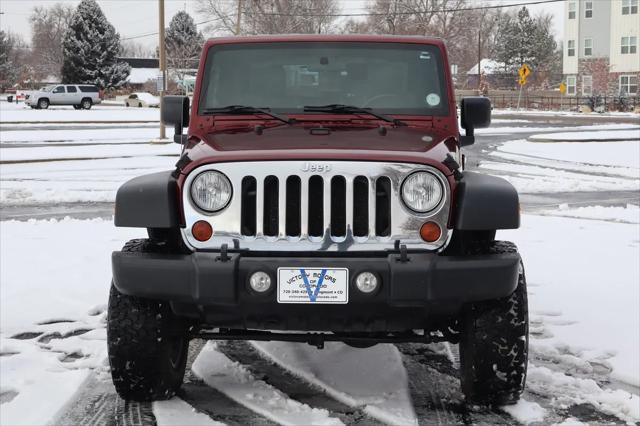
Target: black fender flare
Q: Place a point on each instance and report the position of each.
(485, 202)
(149, 201)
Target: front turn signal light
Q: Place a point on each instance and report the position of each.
(430, 232)
(202, 230)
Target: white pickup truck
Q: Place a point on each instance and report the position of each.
(81, 96)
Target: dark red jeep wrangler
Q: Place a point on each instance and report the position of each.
(320, 196)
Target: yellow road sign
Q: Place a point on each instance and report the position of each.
(524, 71)
(563, 88)
(522, 81)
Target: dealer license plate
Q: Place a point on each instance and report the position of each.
(313, 285)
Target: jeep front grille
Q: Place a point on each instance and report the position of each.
(306, 216)
(342, 206)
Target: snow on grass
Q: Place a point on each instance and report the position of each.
(235, 381)
(525, 129)
(176, 412)
(536, 179)
(354, 377)
(610, 135)
(628, 214)
(583, 280)
(620, 154)
(554, 113)
(11, 112)
(124, 134)
(73, 181)
(88, 151)
(526, 412)
(534, 167)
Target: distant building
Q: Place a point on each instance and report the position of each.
(146, 70)
(493, 74)
(142, 71)
(601, 54)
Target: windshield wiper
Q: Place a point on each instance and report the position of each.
(351, 109)
(245, 109)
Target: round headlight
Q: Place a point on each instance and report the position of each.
(211, 191)
(422, 192)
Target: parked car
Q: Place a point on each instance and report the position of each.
(320, 196)
(81, 96)
(142, 99)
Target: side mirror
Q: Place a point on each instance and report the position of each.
(475, 114)
(175, 111)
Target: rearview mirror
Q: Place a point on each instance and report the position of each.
(175, 111)
(475, 113)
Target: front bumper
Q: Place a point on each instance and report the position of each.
(414, 291)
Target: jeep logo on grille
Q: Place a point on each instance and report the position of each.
(316, 167)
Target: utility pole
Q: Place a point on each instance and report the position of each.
(479, 59)
(239, 16)
(162, 61)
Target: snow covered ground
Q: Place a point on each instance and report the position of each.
(57, 340)
(582, 266)
(542, 167)
(21, 113)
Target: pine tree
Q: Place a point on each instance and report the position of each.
(90, 47)
(183, 43)
(522, 40)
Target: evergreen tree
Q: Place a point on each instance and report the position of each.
(11, 60)
(183, 43)
(522, 40)
(90, 47)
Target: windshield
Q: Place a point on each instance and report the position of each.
(392, 78)
(49, 88)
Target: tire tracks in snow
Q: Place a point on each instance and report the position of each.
(295, 387)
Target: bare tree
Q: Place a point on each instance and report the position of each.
(48, 26)
(271, 16)
(132, 49)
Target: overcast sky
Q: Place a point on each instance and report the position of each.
(136, 17)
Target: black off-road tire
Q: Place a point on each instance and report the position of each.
(43, 103)
(494, 341)
(147, 343)
(86, 103)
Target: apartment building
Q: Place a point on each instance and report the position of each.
(601, 53)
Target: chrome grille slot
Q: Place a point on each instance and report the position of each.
(270, 209)
(383, 206)
(347, 206)
(248, 206)
(360, 206)
(316, 205)
(338, 224)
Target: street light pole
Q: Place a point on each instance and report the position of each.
(162, 61)
(239, 17)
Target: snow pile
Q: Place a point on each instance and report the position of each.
(353, 377)
(237, 383)
(526, 412)
(565, 391)
(176, 412)
(611, 135)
